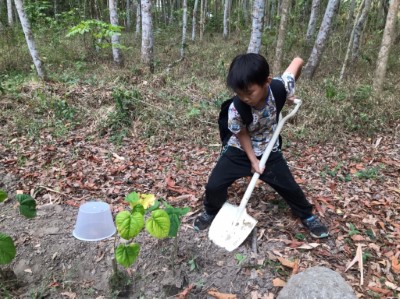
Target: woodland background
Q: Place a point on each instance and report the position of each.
(140, 83)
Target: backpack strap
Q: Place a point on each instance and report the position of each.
(244, 110)
(279, 92)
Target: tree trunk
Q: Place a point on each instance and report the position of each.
(359, 27)
(281, 38)
(26, 27)
(313, 21)
(128, 9)
(351, 39)
(202, 18)
(226, 18)
(147, 34)
(350, 16)
(117, 55)
(256, 28)
(184, 27)
(10, 13)
(138, 19)
(245, 13)
(388, 36)
(322, 38)
(196, 3)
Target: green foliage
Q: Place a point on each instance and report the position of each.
(119, 120)
(99, 31)
(7, 249)
(27, 207)
(240, 258)
(145, 212)
(3, 195)
(300, 236)
(368, 173)
(352, 229)
(193, 264)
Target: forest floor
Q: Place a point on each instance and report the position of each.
(354, 186)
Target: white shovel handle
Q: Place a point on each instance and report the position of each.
(265, 155)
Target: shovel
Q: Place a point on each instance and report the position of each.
(232, 224)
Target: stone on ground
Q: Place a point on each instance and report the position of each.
(317, 283)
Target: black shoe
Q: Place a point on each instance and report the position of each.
(203, 221)
(316, 228)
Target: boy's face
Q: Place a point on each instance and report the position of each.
(255, 94)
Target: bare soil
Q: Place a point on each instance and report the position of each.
(51, 263)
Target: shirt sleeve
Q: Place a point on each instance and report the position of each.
(289, 82)
(235, 122)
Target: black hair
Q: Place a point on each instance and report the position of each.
(247, 69)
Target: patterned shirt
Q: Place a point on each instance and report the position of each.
(264, 120)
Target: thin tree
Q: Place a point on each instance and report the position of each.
(203, 5)
(26, 27)
(196, 4)
(10, 13)
(116, 50)
(128, 14)
(147, 34)
(359, 27)
(138, 18)
(313, 20)
(350, 16)
(346, 59)
(281, 37)
(388, 36)
(256, 28)
(226, 18)
(322, 38)
(184, 27)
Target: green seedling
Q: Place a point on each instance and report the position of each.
(193, 264)
(240, 258)
(352, 229)
(27, 207)
(146, 212)
(300, 236)
(368, 173)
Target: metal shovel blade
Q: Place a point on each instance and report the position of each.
(231, 227)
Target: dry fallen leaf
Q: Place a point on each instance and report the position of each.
(185, 292)
(219, 295)
(395, 265)
(286, 262)
(277, 282)
(309, 246)
(70, 295)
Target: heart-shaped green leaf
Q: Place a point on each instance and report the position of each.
(7, 249)
(126, 255)
(27, 205)
(175, 215)
(158, 224)
(3, 195)
(133, 199)
(129, 225)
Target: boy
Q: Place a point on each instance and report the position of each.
(249, 78)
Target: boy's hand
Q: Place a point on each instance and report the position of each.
(255, 167)
(290, 100)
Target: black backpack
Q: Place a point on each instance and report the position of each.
(279, 92)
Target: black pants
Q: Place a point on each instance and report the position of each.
(234, 164)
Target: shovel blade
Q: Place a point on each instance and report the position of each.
(229, 230)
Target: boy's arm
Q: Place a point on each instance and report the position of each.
(245, 142)
(295, 67)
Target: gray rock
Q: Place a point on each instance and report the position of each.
(317, 283)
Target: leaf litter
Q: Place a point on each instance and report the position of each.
(354, 187)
